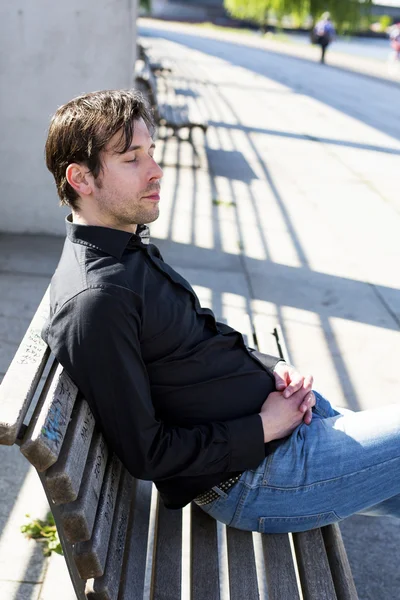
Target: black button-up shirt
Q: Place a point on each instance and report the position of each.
(176, 394)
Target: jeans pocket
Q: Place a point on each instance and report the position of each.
(222, 496)
(208, 507)
(296, 524)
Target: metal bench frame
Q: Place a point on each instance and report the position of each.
(116, 535)
(172, 116)
(157, 66)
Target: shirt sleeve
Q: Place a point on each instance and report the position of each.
(96, 337)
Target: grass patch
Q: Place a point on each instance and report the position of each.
(242, 30)
(45, 532)
(278, 35)
(218, 202)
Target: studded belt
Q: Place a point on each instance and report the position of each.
(211, 495)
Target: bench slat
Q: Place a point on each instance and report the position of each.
(179, 116)
(312, 561)
(339, 563)
(78, 517)
(90, 557)
(279, 567)
(132, 585)
(23, 375)
(44, 437)
(167, 566)
(242, 565)
(106, 587)
(204, 550)
(64, 477)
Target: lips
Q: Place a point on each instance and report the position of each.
(153, 197)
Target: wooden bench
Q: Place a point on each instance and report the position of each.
(117, 537)
(169, 112)
(156, 66)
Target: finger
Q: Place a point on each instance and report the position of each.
(280, 383)
(308, 402)
(295, 384)
(308, 382)
(308, 416)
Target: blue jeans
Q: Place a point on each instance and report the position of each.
(342, 463)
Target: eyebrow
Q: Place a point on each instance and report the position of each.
(133, 148)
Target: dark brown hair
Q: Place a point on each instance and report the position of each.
(81, 128)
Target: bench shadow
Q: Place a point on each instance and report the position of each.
(186, 92)
(305, 137)
(232, 166)
(33, 576)
(332, 296)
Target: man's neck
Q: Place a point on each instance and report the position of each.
(97, 221)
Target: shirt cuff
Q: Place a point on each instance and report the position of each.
(277, 362)
(267, 360)
(247, 443)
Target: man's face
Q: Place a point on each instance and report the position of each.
(127, 191)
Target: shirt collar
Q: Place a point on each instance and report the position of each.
(108, 240)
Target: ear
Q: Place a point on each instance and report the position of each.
(80, 179)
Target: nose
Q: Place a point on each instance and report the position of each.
(156, 171)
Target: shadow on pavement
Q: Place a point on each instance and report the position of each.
(263, 62)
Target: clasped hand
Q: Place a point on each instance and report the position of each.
(290, 405)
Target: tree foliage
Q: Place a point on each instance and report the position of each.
(146, 4)
(344, 12)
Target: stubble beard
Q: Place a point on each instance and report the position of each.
(129, 212)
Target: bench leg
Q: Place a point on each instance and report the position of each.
(195, 152)
(175, 133)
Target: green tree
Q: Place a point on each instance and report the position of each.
(346, 14)
(146, 4)
(250, 10)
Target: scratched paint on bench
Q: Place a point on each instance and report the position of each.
(44, 437)
(90, 556)
(65, 476)
(32, 350)
(78, 517)
(107, 586)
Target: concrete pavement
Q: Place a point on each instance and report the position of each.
(293, 217)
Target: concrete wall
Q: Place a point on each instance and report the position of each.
(50, 52)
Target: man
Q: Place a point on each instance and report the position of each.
(178, 396)
(324, 33)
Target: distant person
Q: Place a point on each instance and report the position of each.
(395, 40)
(394, 56)
(324, 33)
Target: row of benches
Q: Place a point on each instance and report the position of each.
(166, 99)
